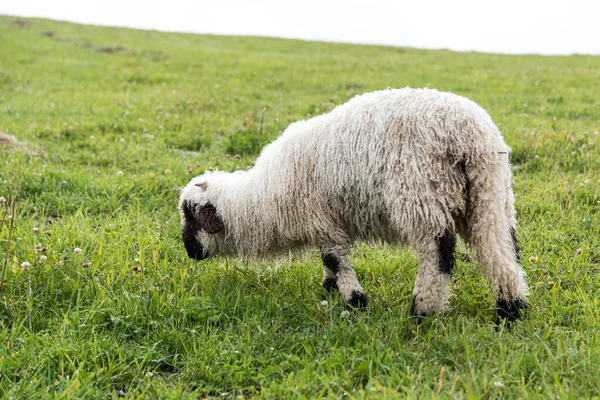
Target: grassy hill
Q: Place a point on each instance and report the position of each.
(112, 122)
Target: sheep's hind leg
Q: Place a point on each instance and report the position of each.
(436, 258)
(497, 251)
(340, 275)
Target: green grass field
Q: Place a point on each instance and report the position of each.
(113, 122)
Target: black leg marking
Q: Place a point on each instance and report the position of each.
(358, 300)
(446, 244)
(330, 284)
(513, 235)
(331, 261)
(510, 309)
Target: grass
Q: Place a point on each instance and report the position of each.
(112, 122)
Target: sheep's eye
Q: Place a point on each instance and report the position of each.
(208, 219)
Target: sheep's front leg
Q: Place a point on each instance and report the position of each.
(436, 258)
(329, 277)
(340, 275)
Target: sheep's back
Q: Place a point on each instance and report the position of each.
(382, 164)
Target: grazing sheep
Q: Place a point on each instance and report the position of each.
(410, 166)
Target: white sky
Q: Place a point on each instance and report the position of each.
(505, 26)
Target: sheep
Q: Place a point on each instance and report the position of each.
(400, 166)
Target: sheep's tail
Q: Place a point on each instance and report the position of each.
(491, 223)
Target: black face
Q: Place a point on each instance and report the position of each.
(192, 245)
(198, 218)
(189, 231)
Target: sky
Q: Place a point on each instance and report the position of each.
(507, 26)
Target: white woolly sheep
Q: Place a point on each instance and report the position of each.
(408, 166)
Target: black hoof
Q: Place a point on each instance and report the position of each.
(413, 310)
(358, 300)
(510, 310)
(330, 284)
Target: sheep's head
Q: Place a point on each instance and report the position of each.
(200, 220)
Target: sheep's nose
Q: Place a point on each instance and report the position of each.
(193, 247)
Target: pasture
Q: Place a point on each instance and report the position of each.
(99, 298)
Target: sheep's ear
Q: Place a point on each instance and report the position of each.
(202, 185)
(208, 219)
